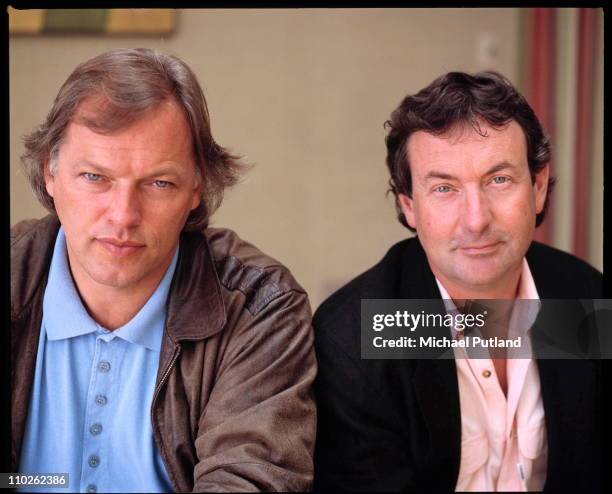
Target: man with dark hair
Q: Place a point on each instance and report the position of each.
(468, 161)
(150, 352)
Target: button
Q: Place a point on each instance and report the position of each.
(104, 366)
(93, 461)
(92, 488)
(101, 400)
(95, 429)
(486, 373)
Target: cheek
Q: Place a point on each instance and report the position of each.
(78, 208)
(167, 216)
(434, 222)
(518, 212)
(64, 201)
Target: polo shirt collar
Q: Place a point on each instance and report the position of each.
(64, 315)
(146, 328)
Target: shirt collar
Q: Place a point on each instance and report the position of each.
(146, 328)
(525, 312)
(526, 288)
(64, 315)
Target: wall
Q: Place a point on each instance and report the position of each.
(302, 94)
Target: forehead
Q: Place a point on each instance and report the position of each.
(162, 130)
(463, 146)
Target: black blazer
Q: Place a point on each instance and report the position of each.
(395, 425)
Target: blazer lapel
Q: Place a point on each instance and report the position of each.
(562, 381)
(434, 382)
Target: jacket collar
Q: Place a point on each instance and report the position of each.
(195, 305)
(31, 253)
(417, 280)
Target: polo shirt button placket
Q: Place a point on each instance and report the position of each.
(104, 366)
(93, 461)
(95, 429)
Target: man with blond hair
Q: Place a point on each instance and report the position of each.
(150, 352)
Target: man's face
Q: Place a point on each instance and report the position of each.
(473, 205)
(123, 199)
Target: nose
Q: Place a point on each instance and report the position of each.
(124, 209)
(476, 215)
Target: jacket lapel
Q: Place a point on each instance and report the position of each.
(435, 382)
(562, 381)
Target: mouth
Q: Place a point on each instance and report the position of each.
(120, 248)
(481, 249)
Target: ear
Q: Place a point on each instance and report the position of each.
(407, 208)
(540, 188)
(196, 198)
(49, 179)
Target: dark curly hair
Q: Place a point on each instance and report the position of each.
(456, 98)
(128, 83)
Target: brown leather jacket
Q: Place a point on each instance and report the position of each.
(233, 408)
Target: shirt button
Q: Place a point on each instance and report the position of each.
(486, 373)
(104, 366)
(101, 400)
(92, 488)
(93, 461)
(95, 429)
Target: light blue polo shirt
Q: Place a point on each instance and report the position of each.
(90, 410)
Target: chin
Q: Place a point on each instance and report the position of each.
(116, 278)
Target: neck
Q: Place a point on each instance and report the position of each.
(496, 301)
(112, 308)
(506, 289)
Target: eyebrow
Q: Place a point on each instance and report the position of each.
(447, 176)
(504, 165)
(162, 170)
(91, 164)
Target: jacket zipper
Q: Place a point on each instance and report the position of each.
(177, 351)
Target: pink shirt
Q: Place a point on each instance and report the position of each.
(503, 438)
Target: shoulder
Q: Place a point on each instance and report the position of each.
(32, 239)
(28, 231)
(32, 244)
(558, 274)
(341, 310)
(242, 267)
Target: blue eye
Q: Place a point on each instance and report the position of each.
(500, 180)
(442, 189)
(92, 177)
(161, 184)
